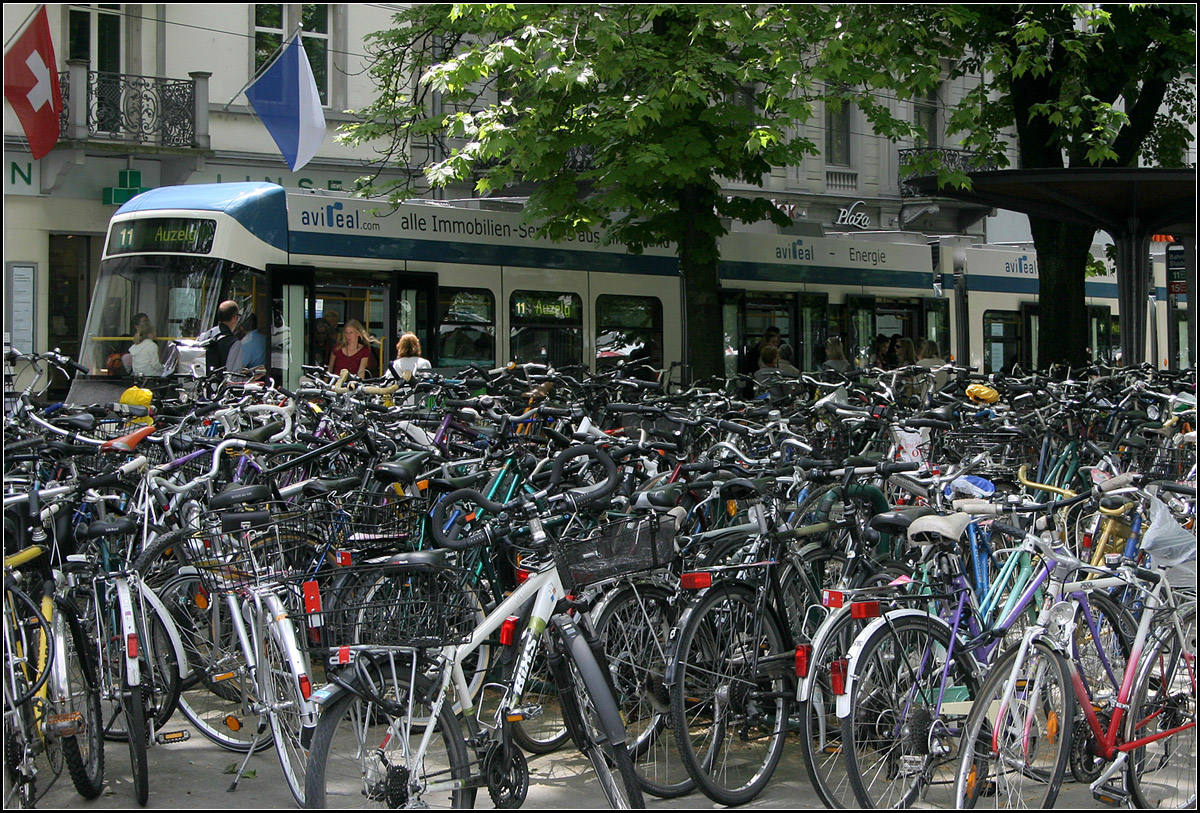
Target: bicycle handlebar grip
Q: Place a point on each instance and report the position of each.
(982, 507)
(1120, 481)
(928, 423)
(437, 521)
(898, 468)
(736, 428)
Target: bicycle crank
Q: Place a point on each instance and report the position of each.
(507, 775)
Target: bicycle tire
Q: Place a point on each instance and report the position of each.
(894, 745)
(357, 736)
(133, 708)
(1162, 773)
(1022, 761)
(83, 751)
(634, 625)
(820, 730)
(284, 702)
(592, 715)
(730, 739)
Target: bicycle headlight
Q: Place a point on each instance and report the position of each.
(1062, 614)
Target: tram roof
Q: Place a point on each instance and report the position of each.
(244, 202)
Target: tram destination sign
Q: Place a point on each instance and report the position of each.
(182, 235)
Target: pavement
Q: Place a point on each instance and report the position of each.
(196, 774)
(193, 775)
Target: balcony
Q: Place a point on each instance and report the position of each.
(961, 160)
(154, 112)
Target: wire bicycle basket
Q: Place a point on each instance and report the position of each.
(621, 548)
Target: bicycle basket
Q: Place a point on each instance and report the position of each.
(395, 602)
(272, 541)
(362, 520)
(620, 548)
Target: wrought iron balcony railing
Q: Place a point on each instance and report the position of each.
(139, 109)
(963, 160)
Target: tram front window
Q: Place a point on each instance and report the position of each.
(177, 295)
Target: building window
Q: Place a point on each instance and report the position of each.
(837, 134)
(925, 117)
(94, 34)
(273, 23)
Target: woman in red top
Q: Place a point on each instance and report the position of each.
(352, 352)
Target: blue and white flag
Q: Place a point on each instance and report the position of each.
(285, 97)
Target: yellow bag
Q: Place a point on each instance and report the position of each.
(138, 396)
(982, 394)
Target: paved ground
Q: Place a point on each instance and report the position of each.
(192, 775)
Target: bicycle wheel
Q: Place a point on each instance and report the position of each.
(76, 692)
(285, 710)
(133, 710)
(907, 707)
(365, 751)
(1017, 742)
(215, 696)
(591, 713)
(729, 697)
(820, 729)
(1162, 773)
(634, 626)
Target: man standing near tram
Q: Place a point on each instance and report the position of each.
(224, 348)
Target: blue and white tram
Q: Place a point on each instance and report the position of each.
(477, 287)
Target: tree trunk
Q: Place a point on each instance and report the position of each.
(698, 260)
(1062, 250)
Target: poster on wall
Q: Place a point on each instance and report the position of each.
(19, 308)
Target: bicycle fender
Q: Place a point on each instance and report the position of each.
(843, 700)
(804, 686)
(129, 632)
(181, 658)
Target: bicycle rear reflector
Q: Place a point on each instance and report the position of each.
(695, 581)
(803, 659)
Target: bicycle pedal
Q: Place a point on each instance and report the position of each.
(65, 725)
(1111, 795)
(172, 737)
(532, 711)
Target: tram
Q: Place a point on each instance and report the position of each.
(479, 287)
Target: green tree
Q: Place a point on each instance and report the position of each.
(625, 118)
(1072, 85)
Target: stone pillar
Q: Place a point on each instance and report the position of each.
(79, 90)
(202, 139)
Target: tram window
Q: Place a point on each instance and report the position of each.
(630, 329)
(546, 328)
(1001, 340)
(466, 327)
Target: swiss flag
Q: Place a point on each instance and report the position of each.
(31, 85)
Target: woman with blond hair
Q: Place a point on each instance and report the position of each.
(353, 350)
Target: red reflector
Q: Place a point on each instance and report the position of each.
(803, 658)
(508, 631)
(1087, 541)
(837, 675)
(864, 609)
(131, 645)
(831, 598)
(523, 575)
(345, 558)
(695, 581)
(312, 597)
(305, 686)
(343, 655)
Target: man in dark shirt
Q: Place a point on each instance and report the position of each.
(225, 350)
